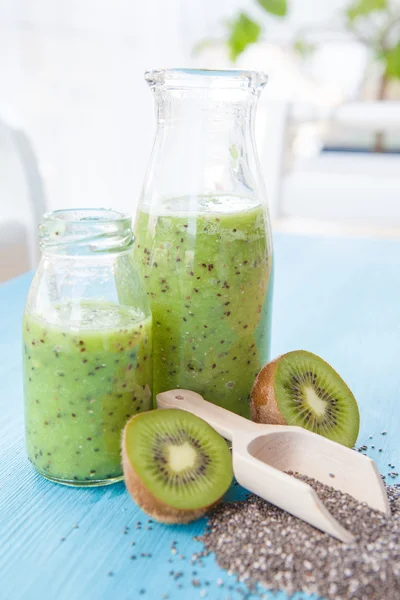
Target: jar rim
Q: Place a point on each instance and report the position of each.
(71, 215)
(85, 230)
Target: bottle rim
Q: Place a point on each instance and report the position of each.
(206, 78)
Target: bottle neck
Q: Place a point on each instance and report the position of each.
(204, 143)
(202, 103)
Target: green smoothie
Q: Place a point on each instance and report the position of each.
(82, 383)
(209, 278)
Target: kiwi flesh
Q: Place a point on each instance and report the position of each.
(299, 388)
(175, 465)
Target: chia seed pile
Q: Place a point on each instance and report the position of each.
(262, 544)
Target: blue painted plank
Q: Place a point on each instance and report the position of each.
(339, 298)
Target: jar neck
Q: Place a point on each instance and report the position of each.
(85, 232)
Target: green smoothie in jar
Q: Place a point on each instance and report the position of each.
(81, 386)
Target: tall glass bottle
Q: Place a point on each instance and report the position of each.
(203, 239)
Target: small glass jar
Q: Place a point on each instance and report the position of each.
(87, 356)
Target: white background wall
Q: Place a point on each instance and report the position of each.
(72, 72)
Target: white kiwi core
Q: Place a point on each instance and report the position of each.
(181, 457)
(315, 403)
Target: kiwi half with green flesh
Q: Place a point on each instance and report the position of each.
(175, 465)
(299, 388)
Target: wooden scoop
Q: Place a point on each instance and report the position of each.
(261, 454)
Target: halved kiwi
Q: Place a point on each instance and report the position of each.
(299, 388)
(176, 466)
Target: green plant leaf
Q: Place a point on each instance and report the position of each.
(391, 59)
(243, 32)
(274, 7)
(303, 48)
(362, 8)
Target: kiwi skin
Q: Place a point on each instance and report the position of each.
(147, 501)
(263, 405)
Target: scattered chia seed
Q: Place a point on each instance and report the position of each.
(262, 544)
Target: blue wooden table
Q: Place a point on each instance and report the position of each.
(339, 298)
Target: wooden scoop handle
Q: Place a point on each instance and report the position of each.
(225, 422)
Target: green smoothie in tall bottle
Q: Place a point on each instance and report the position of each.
(208, 275)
